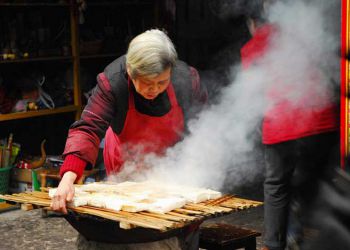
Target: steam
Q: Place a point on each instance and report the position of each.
(223, 138)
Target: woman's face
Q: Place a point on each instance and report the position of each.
(151, 87)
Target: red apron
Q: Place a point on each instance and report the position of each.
(143, 133)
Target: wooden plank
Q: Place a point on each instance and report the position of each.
(27, 207)
(244, 201)
(24, 200)
(147, 218)
(39, 194)
(174, 219)
(74, 23)
(166, 216)
(119, 218)
(144, 218)
(126, 226)
(188, 211)
(216, 209)
(36, 59)
(24, 4)
(219, 200)
(204, 209)
(4, 206)
(184, 216)
(238, 204)
(42, 112)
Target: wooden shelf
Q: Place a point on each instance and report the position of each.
(34, 5)
(130, 2)
(99, 56)
(37, 59)
(42, 112)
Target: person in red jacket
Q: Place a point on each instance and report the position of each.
(140, 105)
(298, 134)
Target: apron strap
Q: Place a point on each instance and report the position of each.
(131, 95)
(171, 93)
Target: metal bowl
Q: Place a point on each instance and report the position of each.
(108, 231)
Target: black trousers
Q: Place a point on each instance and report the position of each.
(293, 168)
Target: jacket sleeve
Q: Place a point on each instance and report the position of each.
(84, 135)
(74, 164)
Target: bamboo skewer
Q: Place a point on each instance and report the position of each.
(21, 200)
(184, 216)
(119, 218)
(39, 194)
(187, 211)
(238, 204)
(243, 201)
(174, 219)
(219, 200)
(166, 216)
(205, 209)
(87, 210)
(215, 209)
(158, 221)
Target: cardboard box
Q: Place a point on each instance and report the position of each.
(21, 175)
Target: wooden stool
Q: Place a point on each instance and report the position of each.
(54, 174)
(224, 236)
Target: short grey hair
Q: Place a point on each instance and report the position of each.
(150, 53)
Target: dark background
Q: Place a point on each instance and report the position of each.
(205, 37)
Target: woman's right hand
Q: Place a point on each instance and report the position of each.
(64, 193)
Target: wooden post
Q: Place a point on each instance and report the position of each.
(74, 17)
(27, 207)
(345, 72)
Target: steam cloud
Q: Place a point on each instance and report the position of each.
(222, 140)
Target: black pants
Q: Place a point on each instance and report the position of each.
(293, 168)
(329, 214)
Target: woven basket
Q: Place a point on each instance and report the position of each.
(4, 180)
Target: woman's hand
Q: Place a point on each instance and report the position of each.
(64, 193)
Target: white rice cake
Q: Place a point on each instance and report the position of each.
(97, 187)
(77, 191)
(149, 196)
(191, 194)
(80, 200)
(165, 205)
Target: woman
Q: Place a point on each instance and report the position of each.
(300, 136)
(141, 103)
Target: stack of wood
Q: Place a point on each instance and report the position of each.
(148, 205)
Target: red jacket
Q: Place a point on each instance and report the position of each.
(307, 113)
(108, 106)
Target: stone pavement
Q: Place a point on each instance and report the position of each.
(22, 230)
(26, 230)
